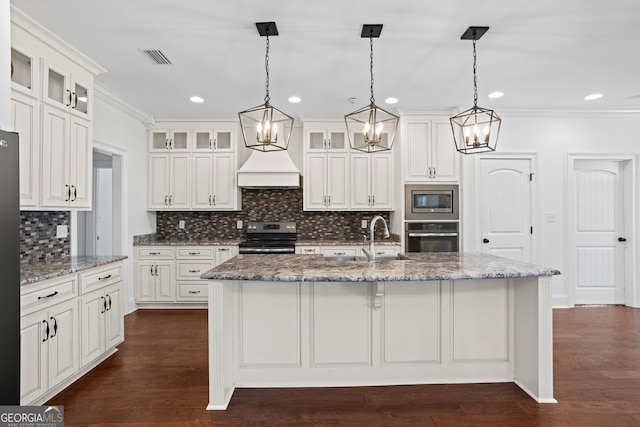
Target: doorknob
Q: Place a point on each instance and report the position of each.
(485, 240)
(621, 239)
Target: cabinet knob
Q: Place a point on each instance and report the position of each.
(485, 240)
(622, 239)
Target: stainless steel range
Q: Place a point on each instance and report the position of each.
(270, 238)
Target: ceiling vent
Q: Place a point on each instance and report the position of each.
(158, 56)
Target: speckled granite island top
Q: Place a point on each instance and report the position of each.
(42, 270)
(152, 240)
(413, 267)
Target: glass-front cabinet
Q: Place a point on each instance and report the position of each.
(65, 90)
(23, 72)
(162, 140)
(214, 140)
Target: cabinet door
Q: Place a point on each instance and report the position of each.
(224, 188)
(56, 85)
(55, 187)
(114, 317)
(81, 96)
(80, 163)
(223, 140)
(224, 253)
(33, 357)
(315, 182)
(316, 140)
(25, 120)
(418, 135)
(159, 140)
(145, 280)
(92, 341)
(165, 282)
(63, 342)
(381, 182)
(338, 181)
(202, 188)
(360, 181)
(179, 181)
(158, 181)
(445, 158)
(24, 72)
(337, 140)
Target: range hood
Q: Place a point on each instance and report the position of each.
(273, 169)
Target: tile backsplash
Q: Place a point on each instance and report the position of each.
(264, 205)
(38, 239)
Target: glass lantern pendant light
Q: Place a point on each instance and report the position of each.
(264, 127)
(476, 129)
(371, 128)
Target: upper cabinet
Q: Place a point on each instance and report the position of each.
(69, 88)
(192, 166)
(52, 110)
(326, 137)
(429, 150)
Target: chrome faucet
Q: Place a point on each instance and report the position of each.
(370, 252)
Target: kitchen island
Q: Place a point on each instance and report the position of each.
(424, 318)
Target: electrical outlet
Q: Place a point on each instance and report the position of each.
(363, 224)
(181, 224)
(62, 231)
(239, 224)
(551, 217)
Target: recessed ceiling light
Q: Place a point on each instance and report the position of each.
(294, 99)
(593, 96)
(391, 100)
(496, 94)
(196, 99)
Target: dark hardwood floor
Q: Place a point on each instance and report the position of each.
(159, 378)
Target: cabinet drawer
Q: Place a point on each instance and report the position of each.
(157, 252)
(308, 250)
(193, 269)
(48, 293)
(99, 277)
(193, 291)
(339, 251)
(196, 252)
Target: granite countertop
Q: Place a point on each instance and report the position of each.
(305, 242)
(413, 267)
(152, 240)
(42, 270)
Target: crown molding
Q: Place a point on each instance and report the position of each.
(105, 94)
(575, 114)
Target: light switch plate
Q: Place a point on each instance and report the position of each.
(363, 224)
(239, 224)
(181, 224)
(62, 231)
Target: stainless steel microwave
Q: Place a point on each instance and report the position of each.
(431, 202)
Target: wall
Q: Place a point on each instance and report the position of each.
(5, 65)
(552, 137)
(118, 128)
(265, 205)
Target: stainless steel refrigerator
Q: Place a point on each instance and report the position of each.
(9, 269)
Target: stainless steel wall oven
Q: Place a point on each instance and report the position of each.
(431, 237)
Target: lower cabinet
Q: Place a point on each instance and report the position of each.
(67, 326)
(171, 275)
(102, 322)
(48, 349)
(352, 250)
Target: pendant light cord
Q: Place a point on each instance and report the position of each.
(475, 78)
(371, 68)
(266, 66)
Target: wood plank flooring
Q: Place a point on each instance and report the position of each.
(160, 376)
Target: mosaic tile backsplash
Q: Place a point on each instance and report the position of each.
(264, 205)
(38, 239)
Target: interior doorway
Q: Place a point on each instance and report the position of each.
(100, 230)
(600, 191)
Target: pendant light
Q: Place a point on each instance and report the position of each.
(476, 129)
(264, 127)
(371, 128)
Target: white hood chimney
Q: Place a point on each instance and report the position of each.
(273, 169)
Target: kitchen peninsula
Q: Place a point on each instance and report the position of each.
(423, 318)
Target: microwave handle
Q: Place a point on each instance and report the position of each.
(433, 234)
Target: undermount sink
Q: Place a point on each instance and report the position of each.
(364, 258)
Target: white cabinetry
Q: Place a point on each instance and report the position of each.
(192, 167)
(54, 118)
(66, 160)
(371, 181)
(430, 153)
(326, 183)
(158, 285)
(25, 119)
(169, 181)
(48, 336)
(101, 314)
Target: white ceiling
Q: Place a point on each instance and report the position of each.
(543, 54)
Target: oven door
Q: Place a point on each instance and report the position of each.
(432, 242)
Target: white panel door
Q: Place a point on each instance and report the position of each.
(599, 256)
(504, 196)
